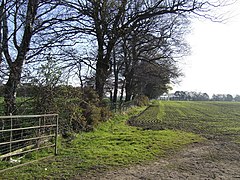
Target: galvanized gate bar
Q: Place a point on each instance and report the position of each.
(28, 116)
(33, 127)
(29, 139)
(44, 129)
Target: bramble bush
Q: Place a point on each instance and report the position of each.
(79, 109)
(141, 100)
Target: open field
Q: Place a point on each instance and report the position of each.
(209, 119)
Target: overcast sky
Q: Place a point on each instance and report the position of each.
(214, 65)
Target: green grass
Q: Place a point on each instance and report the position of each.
(148, 116)
(161, 112)
(112, 144)
(211, 119)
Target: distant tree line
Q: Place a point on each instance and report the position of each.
(224, 97)
(198, 96)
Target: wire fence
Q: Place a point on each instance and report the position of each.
(27, 133)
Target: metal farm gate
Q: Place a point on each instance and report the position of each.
(27, 133)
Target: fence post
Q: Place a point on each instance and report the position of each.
(120, 107)
(56, 135)
(39, 132)
(11, 134)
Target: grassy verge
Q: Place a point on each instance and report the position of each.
(151, 118)
(112, 144)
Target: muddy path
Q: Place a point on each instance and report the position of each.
(208, 160)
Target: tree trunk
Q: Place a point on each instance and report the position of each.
(11, 90)
(101, 77)
(128, 89)
(1, 47)
(111, 96)
(130, 64)
(102, 67)
(122, 91)
(115, 90)
(115, 68)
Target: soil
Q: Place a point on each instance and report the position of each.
(213, 159)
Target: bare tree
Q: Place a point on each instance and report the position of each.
(1, 15)
(109, 20)
(15, 66)
(156, 42)
(29, 28)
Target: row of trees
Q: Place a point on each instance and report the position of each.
(124, 45)
(190, 96)
(225, 97)
(198, 96)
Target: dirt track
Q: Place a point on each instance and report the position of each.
(209, 160)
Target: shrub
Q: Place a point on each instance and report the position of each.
(44, 101)
(141, 100)
(79, 109)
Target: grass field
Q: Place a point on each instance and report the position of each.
(210, 119)
(215, 119)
